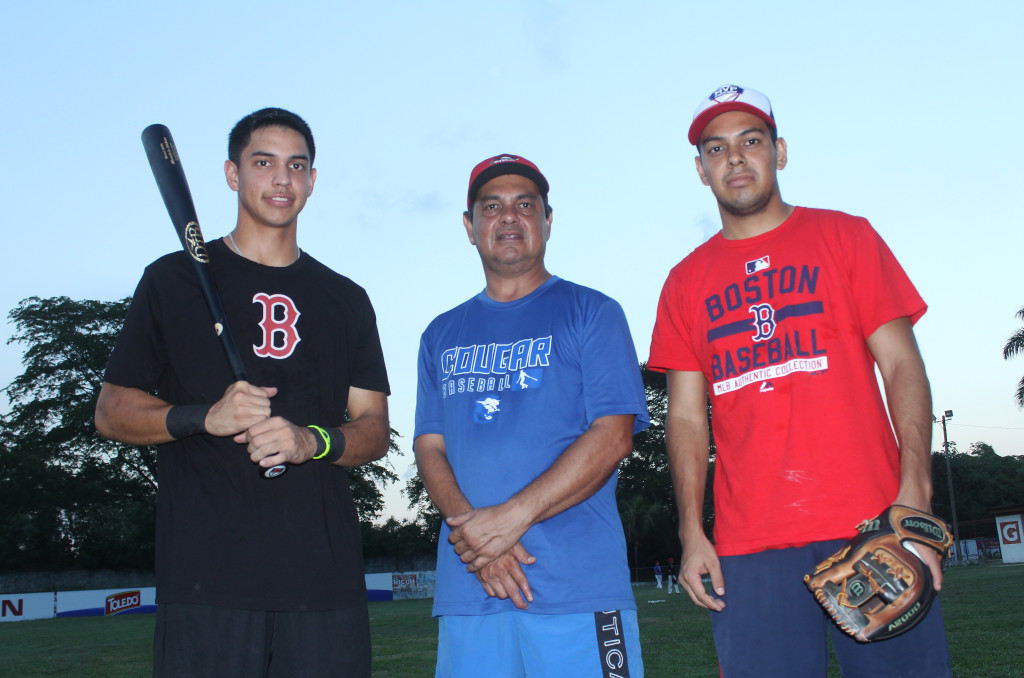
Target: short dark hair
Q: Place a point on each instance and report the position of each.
(240, 135)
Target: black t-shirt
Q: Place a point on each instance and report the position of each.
(225, 535)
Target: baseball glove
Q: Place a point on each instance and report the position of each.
(877, 586)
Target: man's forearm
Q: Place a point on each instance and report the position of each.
(908, 396)
(687, 444)
(580, 471)
(910, 404)
(131, 416)
(484, 534)
(438, 477)
(368, 433)
(687, 441)
(366, 439)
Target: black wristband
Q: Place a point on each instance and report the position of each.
(186, 420)
(330, 443)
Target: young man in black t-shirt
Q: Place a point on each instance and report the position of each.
(255, 576)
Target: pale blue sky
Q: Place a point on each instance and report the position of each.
(905, 113)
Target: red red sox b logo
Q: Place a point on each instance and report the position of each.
(279, 334)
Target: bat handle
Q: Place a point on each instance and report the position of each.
(238, 372)
(227, 340)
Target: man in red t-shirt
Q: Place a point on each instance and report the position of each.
(781, 319)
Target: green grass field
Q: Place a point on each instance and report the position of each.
(984, 608)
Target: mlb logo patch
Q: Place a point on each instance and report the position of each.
(756, 265)
(524, 380)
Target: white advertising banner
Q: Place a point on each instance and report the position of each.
(25, 606)
(106, 602)
(109, 602)
(1011, 539)
(413, 585)
(378, 586)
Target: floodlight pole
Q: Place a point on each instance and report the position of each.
(947, 415)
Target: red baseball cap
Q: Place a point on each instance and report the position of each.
(730, 98)
(506, 163)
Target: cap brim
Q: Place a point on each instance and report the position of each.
(706, 116)
(501, 169)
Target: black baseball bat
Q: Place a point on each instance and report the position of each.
(170, 178)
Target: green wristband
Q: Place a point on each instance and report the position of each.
(330, 443)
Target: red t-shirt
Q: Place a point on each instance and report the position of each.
(778, 325)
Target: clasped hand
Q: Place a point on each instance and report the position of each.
(487, 540)
(243, 412)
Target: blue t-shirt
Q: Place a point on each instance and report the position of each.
(510, 386)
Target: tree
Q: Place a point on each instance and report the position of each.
(1014, 346)
(68, 497)
(406, 538)
(982, 480)
(426, 513)
(398, 539)
(645, 473)
(365, 482)
(638, 519)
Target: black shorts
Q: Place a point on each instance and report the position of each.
(201, 640)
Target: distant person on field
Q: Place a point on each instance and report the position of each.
(673, 576)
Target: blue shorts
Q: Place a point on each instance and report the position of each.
(519, 644)
(773, 626)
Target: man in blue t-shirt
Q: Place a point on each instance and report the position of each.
(529, 395)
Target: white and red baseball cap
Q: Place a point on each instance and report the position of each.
(730, 98)
(506, 163)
